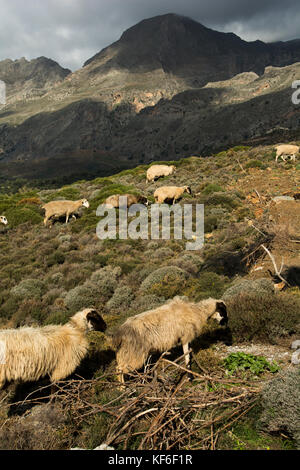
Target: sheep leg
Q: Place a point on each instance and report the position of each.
(67, 217)
(185, 348)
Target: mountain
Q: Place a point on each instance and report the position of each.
(29, 79)
(168, 88)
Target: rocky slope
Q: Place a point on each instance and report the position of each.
(154, 94)
(30, 79)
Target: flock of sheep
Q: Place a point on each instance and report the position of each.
(56, 350)
(164, 194)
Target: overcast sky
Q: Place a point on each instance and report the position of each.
(71, 31)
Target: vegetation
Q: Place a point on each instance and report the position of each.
(47, 274)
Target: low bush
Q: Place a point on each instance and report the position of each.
(263, 317)
(281, 405)
(28, 288)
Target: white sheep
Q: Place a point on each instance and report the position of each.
(60, 208)
(131, 199)
(28, 354)
(158, 330)
(284, 151)
(157, 171)
(3, 220)
(170, 194)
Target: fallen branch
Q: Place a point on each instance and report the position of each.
(277, 271)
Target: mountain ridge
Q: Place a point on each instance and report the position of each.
(140, 100)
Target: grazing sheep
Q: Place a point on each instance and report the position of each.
(29, 354)
(170, 194)
(157, 171)
(177, 321)
(60, 208)
(284, 151)
(3, 220)
(131, 199)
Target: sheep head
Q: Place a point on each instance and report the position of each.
(188, 189)
(94, 320)
(3, 220)
(220, 313)
(85, 203)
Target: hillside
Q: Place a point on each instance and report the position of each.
(168, 88)
(48, 274)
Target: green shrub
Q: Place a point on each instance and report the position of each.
(210, 223)
(222, 199)
(17, 216)
(212, 188)
(56, 258)
(263, 317)
(255, 164)
(209, 284)
(281, 405)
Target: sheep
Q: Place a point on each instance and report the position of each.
(286, 150)
(60, 208)
(29, 354)
(177, 321)
(131, 199)
(3, 220)
(170, 193)
(157, 171)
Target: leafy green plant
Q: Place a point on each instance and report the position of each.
(255, 364)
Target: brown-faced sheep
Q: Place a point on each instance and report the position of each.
(3, 220)
(131, 199)
(158, 330)
(158, 171)
(60, 208)
(28, 354)
(170, 194)
(284, 151)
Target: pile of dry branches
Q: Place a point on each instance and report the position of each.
(161, 409)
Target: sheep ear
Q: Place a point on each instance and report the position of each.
(95, 320)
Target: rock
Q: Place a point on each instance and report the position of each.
(35, 430)
(296, 358)
(279, 199)
(101, 447)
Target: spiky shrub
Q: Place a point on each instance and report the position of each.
(28, 288)
(246, 286)
(81, 297)
(281, 405)
(209, 284)
(263, 317)
(165, 282)
(121, 299)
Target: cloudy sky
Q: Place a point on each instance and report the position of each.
(71, 31)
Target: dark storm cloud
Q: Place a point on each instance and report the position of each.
(71, 31)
